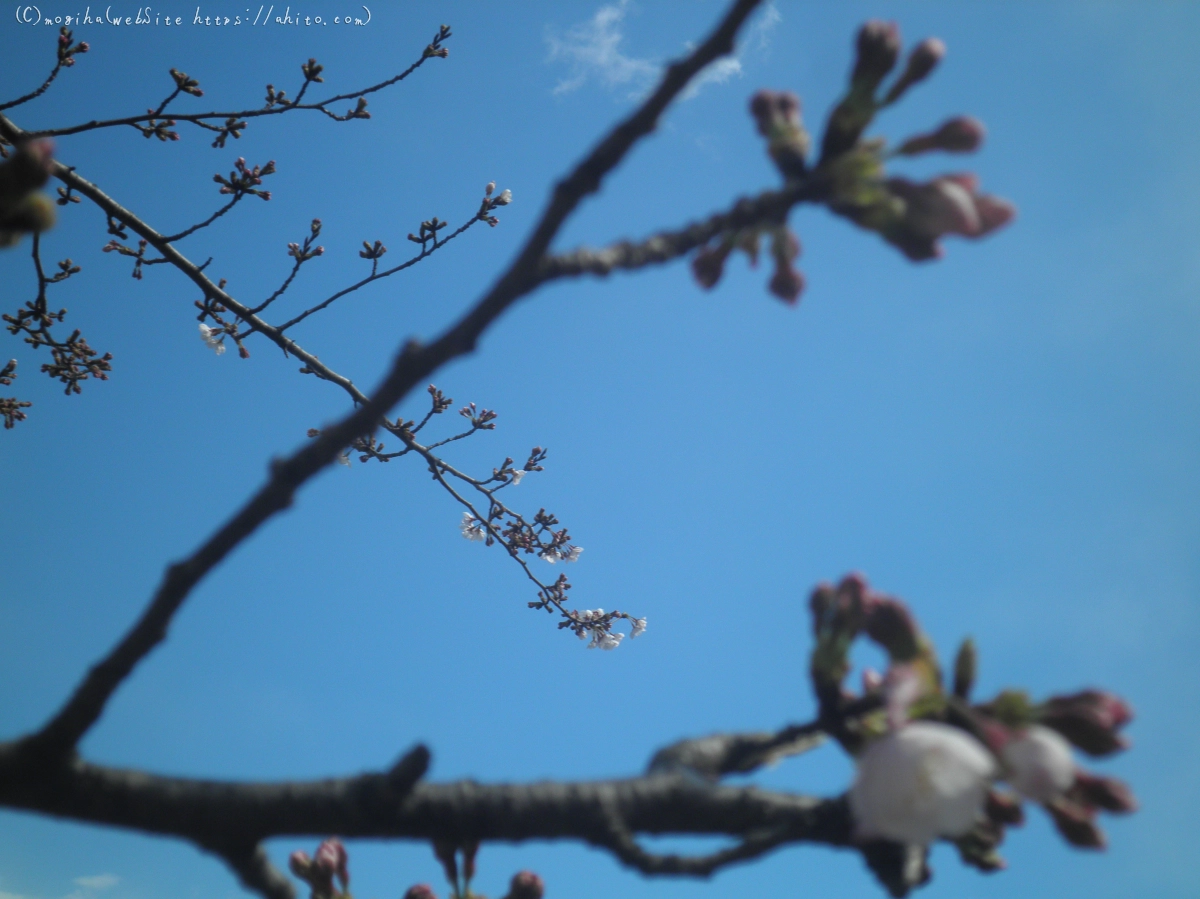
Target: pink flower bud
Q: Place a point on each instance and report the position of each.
(786, 283)
(921, 62)
(878, 47)
(1076, 824)
(1103, 792)
(709, 264)
(300, 864)
(526, 885)
(960, 135)
(890, 624)
(1089, 719)
(331, 858)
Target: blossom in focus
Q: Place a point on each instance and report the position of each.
(602, 639)
(207, 334)
(471, 527)
(923, 781)
(1039, 763)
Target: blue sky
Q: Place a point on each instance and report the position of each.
(1005, 438)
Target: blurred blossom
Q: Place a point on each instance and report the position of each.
(923, 781)
(1039, 763)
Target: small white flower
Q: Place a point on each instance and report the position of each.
(923, 781)
(471, 527)
(605, 639)
(344, 458)
(550, 555)
(572, 555)
(206, 334)
(504, 198)
(1039, 762)
(517, 476)
(639, 628)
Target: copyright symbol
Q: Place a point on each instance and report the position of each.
(28, 15)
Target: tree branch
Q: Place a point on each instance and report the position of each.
(218, 815)
(413, 366)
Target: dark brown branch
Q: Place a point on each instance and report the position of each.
(208, 221)
(36, 93)
(202, 118)
(228, 816)
(375, 276)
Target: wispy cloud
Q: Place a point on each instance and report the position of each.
(4, 895)
(593, 50)
(98, 881)
(756, 43)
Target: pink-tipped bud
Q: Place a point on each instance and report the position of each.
(332, 858)
(878, 48)
(921, 62)
(1104, 792)
(787, 283)
(1090, 719)
(889, 623)
(300, 864)
(959, 135)
(709, 264)
(526, 885)
(1076, 824)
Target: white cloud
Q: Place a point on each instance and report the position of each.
(98, 881)
(593, 50)
(756, 43)
(4, 895)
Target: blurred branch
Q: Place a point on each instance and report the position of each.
(230, 818)
(768, 207)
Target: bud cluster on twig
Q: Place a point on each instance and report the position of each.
(929, 761)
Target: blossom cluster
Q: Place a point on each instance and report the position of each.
(930, 765)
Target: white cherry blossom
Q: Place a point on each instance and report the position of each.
(920, 782)
(1039, 762)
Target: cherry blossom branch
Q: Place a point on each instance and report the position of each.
(233, 123)
(427, 250)
(66, 58)
(73, 359)
(412, 366)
